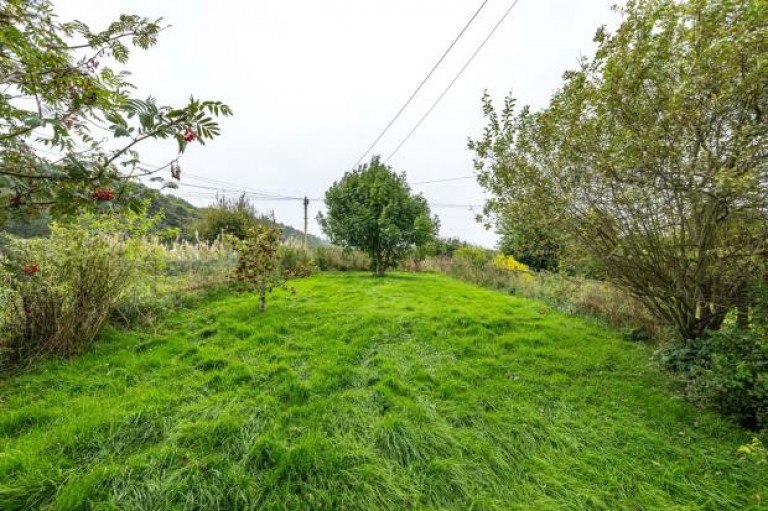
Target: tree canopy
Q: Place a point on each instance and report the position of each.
(373, 210)
(653, 157)
(69, 127)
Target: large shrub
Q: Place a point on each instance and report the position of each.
(61, 289)
(536, 248)
(473, 256)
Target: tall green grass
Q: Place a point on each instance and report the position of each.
(413, 391)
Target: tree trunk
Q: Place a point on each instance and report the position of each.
(378, 266)
(262, 298)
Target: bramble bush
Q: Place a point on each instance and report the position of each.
(728, 371)
(61, 289)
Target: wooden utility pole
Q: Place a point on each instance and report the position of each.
(306, 217)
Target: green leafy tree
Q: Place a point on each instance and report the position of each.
(259, 267)
(372, 209)
(235, 217)
(653, 156)
(69, 128)
(530, 245)
(446, 247)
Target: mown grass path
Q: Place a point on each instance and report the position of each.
(408, 392)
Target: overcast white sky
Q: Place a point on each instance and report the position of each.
(313, 82)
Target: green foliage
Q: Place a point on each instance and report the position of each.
(331, 258)
(727, 371)
(755, 450)
(475, 256)
(61, 289)
(259, 268)
(371, 209)
(295, 259)
(175, 214)
(531, 246)
(28, 226)
(234, 217)
(445, 246)
(190, 271)
(56, 92)
(437, 247)
(450, 397)
(651, 157)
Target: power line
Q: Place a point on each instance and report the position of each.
(452, 206)
(232, 187)
(259, 196)
(446, 180)
(421, 85)
(450, 86)
(272, 197)
(204, 179)
(317, 199)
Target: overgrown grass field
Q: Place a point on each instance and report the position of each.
(406, 392)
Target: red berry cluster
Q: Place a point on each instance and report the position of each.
(189, 135)
(103, 194)
(30, 269)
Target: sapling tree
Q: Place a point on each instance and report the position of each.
(259, 269)
(69, 127)
(372, 210)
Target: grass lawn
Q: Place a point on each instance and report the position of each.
(408, 392)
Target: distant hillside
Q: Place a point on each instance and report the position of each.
(177, 214)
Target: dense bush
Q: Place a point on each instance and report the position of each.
(473, 256)
(728, 371)
(227, 216)
(537, 248)
(61, 289)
